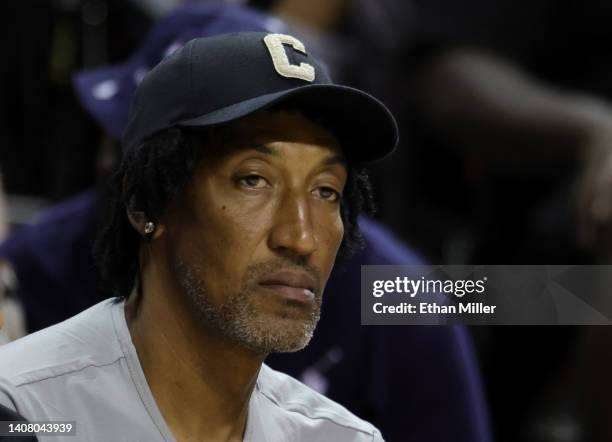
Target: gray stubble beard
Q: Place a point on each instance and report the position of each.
(238, 319)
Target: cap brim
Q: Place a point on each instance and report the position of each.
(363, 125)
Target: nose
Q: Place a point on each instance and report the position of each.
(293, 230)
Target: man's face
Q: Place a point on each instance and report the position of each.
(253, 239)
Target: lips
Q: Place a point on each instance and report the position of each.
(294, 285)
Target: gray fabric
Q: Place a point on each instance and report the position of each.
(86, 370)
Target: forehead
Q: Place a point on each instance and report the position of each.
(275, 126)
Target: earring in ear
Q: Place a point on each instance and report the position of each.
(149, 227)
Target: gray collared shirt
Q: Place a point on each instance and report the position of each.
(86, 370)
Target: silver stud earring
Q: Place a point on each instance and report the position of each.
(149, 227)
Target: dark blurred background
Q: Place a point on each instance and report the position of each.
(505, 157)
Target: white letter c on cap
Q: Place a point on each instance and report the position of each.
(274, 43)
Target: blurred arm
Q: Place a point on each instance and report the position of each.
(481, 102)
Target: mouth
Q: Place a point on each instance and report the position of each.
(291, 285)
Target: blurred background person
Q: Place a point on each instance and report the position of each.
(12, 321)
(3, 337)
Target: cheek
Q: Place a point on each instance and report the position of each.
(216, 241)
(228, 232)
(330, 237)
(337, 232)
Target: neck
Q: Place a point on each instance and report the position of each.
(202, 382)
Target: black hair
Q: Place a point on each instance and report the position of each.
(152, 175)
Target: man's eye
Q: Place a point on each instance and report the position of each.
(253, 181)
(328, 194)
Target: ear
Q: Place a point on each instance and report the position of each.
(138, 220)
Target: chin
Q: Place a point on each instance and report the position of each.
(277, 334)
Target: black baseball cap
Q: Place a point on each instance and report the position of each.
(215, 80)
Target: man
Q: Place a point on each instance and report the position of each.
(241, 179)
(358, 367)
